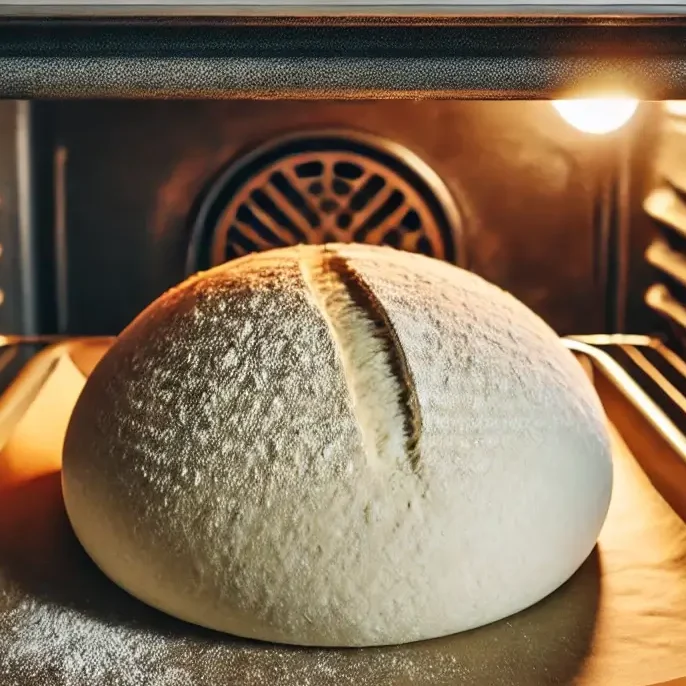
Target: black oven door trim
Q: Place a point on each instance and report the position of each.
(464, 9)
(343, 57)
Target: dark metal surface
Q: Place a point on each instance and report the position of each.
(643, 386)
(17, 228)
(665, 204)
(133, 174)
(224, 59)
(389, 8)
(326, 186)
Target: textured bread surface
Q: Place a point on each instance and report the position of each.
(338, 445)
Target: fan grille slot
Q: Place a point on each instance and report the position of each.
(322, 188)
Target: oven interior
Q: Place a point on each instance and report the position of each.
(107, 204)
(578, 208)
(109, 197)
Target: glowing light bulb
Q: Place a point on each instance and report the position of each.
(677, 108)
(597, 115)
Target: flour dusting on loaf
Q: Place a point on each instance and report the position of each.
(338, 445)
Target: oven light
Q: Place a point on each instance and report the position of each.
(597, 115)
(677, 108)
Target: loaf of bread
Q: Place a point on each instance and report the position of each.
(338, 445)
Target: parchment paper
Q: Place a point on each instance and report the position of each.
(621, 620)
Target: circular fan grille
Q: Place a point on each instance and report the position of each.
(324, 188)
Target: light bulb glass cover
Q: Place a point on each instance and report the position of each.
(677, 108)
(597, 115)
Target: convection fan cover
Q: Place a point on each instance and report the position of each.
(325, 187)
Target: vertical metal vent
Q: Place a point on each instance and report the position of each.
(323, 187)
(666, 205)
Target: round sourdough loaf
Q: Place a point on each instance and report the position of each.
(338, 445)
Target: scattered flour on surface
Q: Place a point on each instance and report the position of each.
(46, 644)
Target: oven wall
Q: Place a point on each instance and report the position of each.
(118, 187)
(665, 203)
